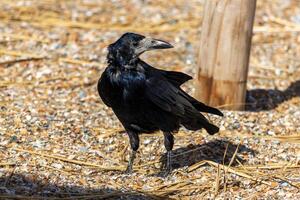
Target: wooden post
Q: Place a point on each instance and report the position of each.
(224, 52)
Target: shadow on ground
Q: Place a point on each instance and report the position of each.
(18, 186)
(213, 150)
(261, 99)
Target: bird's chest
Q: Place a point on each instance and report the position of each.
(127, 90)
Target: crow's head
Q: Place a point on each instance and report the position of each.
(126, 50)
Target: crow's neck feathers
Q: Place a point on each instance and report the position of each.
(121, 57)
(126, 75)
(123, 60)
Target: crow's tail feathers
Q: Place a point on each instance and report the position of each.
(201, 106)
(204, 108)
(210, 128)
(196, 124)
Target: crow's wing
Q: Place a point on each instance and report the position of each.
(177, 78)
(164, 95)
(169, 98)
(173, 100)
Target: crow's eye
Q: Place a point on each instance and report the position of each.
(135, 44)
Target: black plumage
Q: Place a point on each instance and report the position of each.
(146, 99)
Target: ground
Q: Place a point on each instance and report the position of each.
(58, 140)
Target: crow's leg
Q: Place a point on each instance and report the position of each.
(130, 162)
(169, 142)
(134, 143)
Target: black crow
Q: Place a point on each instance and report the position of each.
(146, 99)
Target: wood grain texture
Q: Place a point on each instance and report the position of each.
(224, 52)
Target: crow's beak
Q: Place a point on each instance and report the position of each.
(148, 44)
(158, 44)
